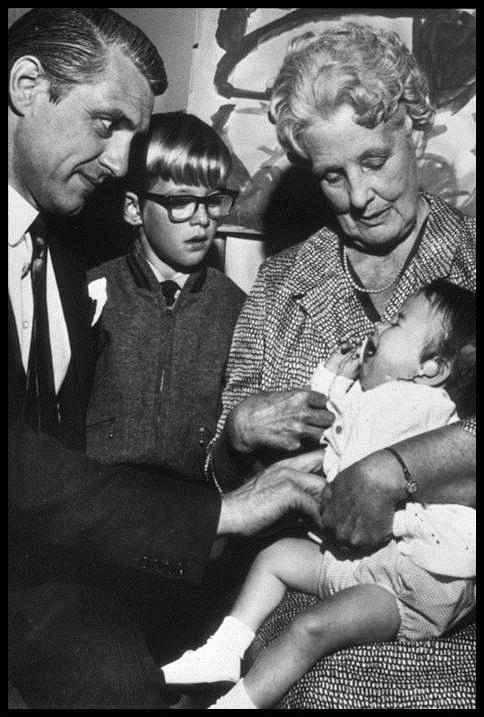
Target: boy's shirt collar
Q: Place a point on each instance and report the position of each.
(165, 273)
(148, 277)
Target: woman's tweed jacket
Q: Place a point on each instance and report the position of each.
(302, 304)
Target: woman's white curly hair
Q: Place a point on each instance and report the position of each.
(371, 70)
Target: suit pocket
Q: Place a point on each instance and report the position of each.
(100, 436)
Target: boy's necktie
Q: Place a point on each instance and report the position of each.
(41, 403)
(169, 289)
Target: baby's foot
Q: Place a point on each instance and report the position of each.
(210, 663)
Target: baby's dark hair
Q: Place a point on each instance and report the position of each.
(457, 342)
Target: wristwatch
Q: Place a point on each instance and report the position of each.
(411, 485)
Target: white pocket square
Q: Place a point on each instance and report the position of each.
(97, 292)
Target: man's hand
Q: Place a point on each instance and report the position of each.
(359, 505)
(286, 485)
(281, 420)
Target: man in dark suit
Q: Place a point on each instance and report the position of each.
(81, 84)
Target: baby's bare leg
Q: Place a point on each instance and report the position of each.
(293, 563)
(355, 616)
(288, 563)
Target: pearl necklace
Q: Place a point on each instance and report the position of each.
(425, 209)
(363, 289)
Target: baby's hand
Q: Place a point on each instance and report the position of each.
(345, 361)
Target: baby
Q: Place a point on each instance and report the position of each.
(413, 373)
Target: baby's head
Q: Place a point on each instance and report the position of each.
(179, 161)
(431, 341)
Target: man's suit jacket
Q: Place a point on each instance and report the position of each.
(71, 515)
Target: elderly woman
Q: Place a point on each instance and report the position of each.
(352, 103)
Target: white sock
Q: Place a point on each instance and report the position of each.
(234, 635)
(236, 699)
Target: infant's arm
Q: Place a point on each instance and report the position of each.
(345, 361)
(335, 376)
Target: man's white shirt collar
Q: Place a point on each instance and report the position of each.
(21, 214)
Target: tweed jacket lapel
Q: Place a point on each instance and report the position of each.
(317, 266)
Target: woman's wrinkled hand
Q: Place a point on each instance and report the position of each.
(281, 420)
(358, 507)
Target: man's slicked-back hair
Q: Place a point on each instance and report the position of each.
(180, 147)
(73, 45)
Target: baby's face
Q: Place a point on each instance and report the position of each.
(394, 350)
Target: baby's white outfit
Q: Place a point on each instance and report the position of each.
(430, 565)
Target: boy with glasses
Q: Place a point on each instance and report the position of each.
(168, 318)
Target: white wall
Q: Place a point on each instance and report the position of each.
(172, 31)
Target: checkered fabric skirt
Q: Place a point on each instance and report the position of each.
(430, 674)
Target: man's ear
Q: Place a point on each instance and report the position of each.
(132, 211)
(434, 371)
(27, 79)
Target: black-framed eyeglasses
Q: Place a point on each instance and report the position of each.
(182, 207)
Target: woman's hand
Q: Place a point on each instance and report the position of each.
(281, 420)
(359, 505)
